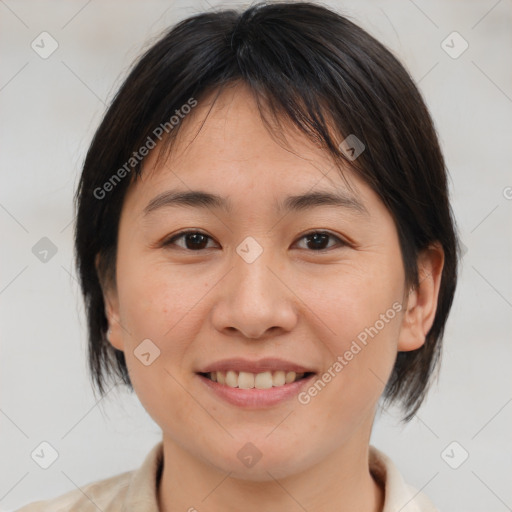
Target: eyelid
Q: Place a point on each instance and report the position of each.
(341, 242)
(168, 241)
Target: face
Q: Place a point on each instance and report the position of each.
(302, 300)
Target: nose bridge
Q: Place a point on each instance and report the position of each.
(256, 300)
(253, 277)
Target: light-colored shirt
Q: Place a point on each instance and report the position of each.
(136, 491)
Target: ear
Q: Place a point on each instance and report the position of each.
(111, 301)
(421, 303)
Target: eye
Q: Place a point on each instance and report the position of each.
(193, 240)
(197, 241)
(316, 240)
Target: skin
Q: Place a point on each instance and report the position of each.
(292, 302)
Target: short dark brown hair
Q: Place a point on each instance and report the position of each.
(315, 68)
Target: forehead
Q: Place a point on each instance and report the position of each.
(225, 147)
(229, 129)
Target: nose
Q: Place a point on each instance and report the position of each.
(255, 301)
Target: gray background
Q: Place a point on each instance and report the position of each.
(49, 111)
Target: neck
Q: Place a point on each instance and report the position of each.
(341, 482)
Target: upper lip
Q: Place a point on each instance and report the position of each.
(256, 366)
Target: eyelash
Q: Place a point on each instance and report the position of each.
(170, 241)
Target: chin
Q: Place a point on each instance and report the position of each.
(260, 462)
(262, 471)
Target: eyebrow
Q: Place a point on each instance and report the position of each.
(301, 202)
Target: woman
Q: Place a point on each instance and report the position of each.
(266, 248)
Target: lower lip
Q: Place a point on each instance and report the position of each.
(256, 398)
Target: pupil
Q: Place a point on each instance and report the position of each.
(195, 238)
(318, 239)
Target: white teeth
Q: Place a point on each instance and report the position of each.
(263, 380)
(247, 380)
(290, 377)
(279, 378)
(231, 379)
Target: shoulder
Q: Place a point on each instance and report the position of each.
(398, 495)
(129, 491)
(106, 495)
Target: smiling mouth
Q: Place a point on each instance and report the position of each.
(247, 380)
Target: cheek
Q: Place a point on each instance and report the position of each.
(159, 303)
(362, 310)
(354, 299)
(156, 299)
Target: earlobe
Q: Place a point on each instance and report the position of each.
(114, 332)
(421, 303)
